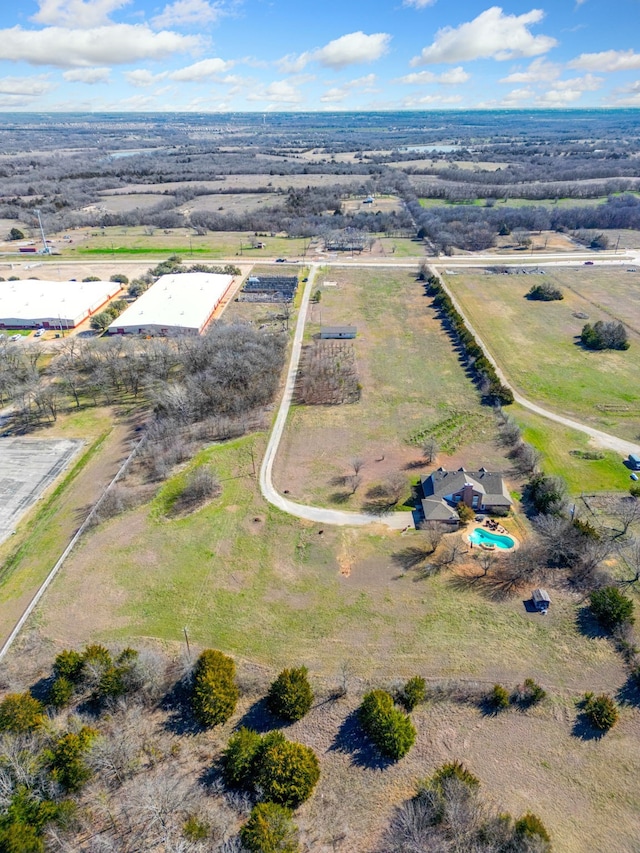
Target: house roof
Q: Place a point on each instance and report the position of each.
(437, 510)
(441, 483)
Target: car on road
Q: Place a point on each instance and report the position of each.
(588, 263)
(281, 260)
(40, 333)
(15, 337)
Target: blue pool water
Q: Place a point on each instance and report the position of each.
(480, 536)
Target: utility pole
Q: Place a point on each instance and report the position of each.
(186, 636)
(45, 248)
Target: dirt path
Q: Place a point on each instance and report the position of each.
(394, 520)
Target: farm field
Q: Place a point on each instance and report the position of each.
(249, 182)
(535, 344)
(411, 381)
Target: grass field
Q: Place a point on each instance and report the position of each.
(411, 380)
(535, 344)
(520, 202)
(558, 445)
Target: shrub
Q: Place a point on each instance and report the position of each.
(119, 278)
(201, 485)
(611, 607)
(238, 758)
(20, 713)
(530, 826)
(545, 292)
(465, 513)
(454, 770)
(270, 830)
(601, 711)
(61, 692)
(413, 693)
(215, 692)
(16, 234)
(529, 693)
(547, 494)
(389, 729)
(195, 830)
(634, 490)
(285, 772)
(498, 699)
(66, 759)
(290, 696)
(69, 664)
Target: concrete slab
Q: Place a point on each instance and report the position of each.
(27, 467)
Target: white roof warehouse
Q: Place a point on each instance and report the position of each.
(176, 304)
(31, 303)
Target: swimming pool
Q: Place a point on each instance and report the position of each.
(480, 536)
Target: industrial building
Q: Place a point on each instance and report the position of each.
(177, 304)
(32, 303)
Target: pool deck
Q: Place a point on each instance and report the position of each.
(499, 531)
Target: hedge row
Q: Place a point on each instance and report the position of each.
(485, 372)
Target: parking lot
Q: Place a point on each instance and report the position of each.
(27, 467)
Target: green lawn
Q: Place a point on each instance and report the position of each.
(535, 343)
(556, 442)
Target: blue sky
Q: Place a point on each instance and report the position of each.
(265, 55)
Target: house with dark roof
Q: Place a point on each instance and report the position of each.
(480, 490)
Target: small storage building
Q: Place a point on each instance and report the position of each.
(328, 332)
(541, 600)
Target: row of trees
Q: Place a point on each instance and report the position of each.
(491, 386)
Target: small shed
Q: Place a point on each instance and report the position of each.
(338, 332)
(634, 461)
(541, 600)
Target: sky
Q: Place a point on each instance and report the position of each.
(292, 55)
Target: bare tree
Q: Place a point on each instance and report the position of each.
(430, 449)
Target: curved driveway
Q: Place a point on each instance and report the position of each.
(394, 520)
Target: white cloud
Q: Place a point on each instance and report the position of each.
(492, 35)
(188, 13)
(142, 79)
(339, 93)
(87, 75)
(419, 4)
(116, 44)
(426, 100)
(568, 91)
(539, 71)
(350, 49)
(516, 97)
(607, 60)
(453, 77)
(201, 70)
(76, 14)
(25, 86)
(278, 92)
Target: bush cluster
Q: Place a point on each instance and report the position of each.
(545, 292)
(387, 726)
(100, 322)
(497, 392)
(21, 713)
(215, 692)
(94, 670)
(604, 336)
(290, 696)
(281, 770)
(412, 693)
